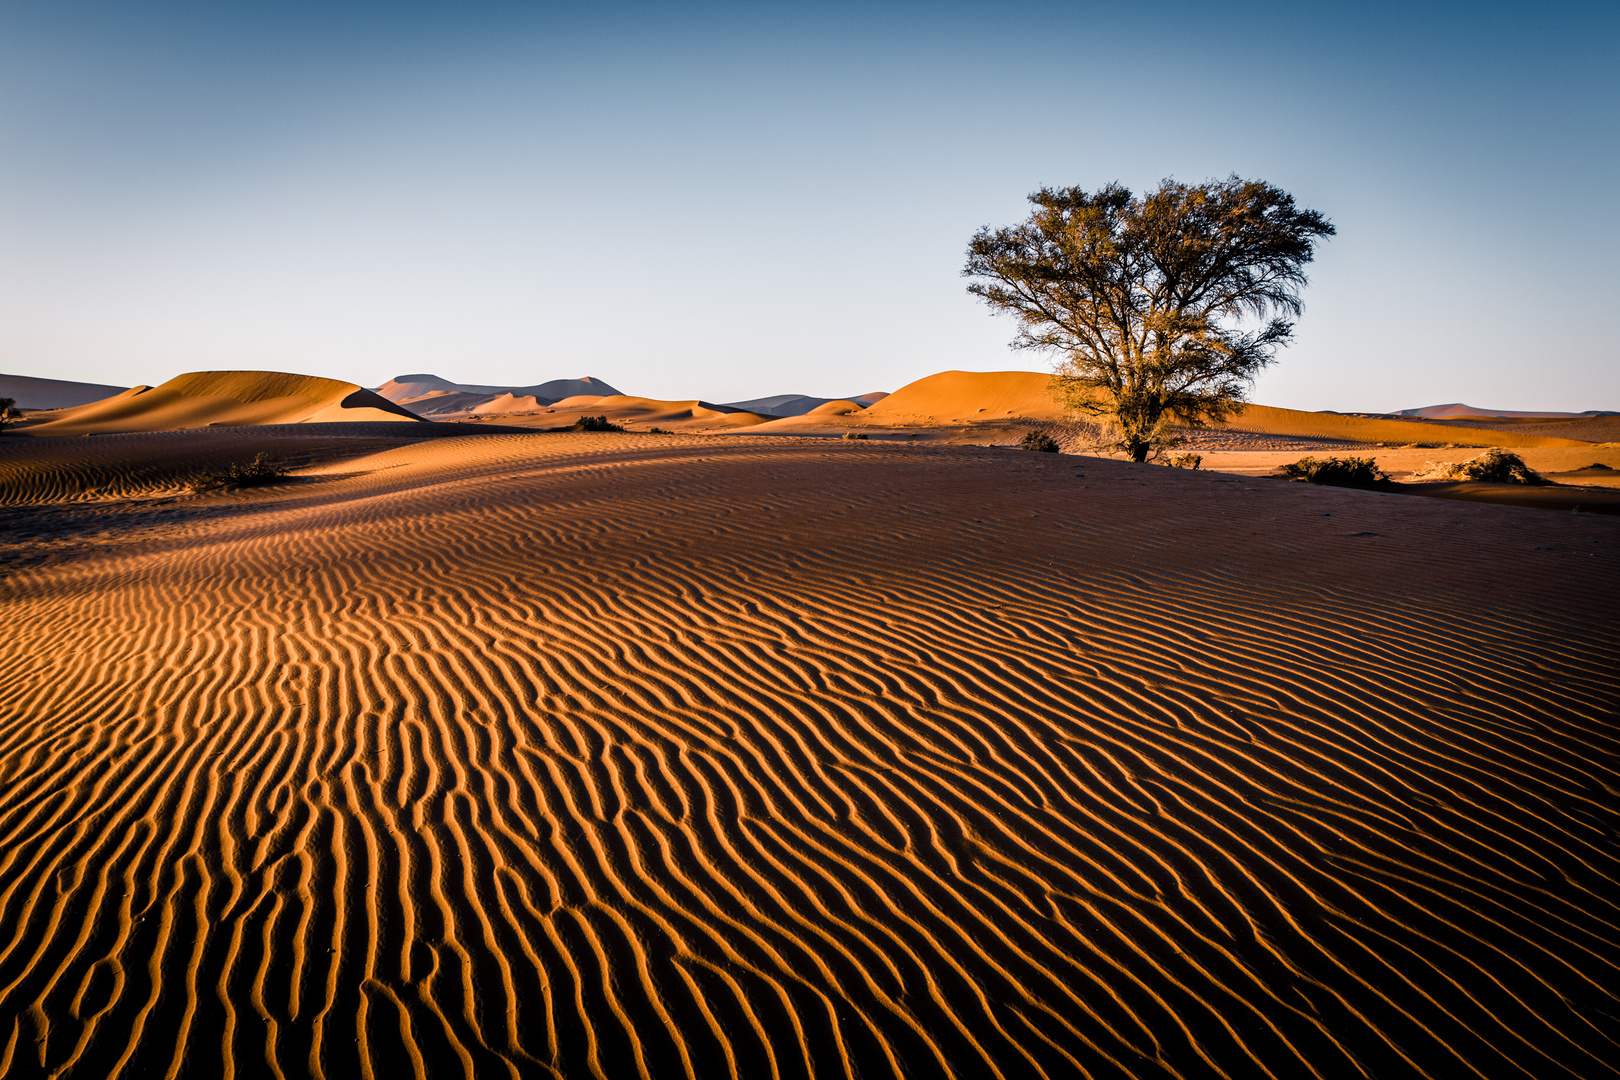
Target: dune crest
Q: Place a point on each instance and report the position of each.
(225, 399)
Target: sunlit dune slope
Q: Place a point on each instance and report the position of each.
(632, 755)
(1272, 421)
(225, 398)
(691, 416)
(985, 396)
(969, 395)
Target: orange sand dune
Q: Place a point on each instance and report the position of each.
(989, 396)
(969, 395)
(1263, 418)
(224, 398)
(690, 415)
(647, 756)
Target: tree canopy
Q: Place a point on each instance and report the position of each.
(1161, 308)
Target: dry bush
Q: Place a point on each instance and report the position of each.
(256, 473)
(594, 423)
(1354, 472)
(1496, 466)
(855, 435)
(1041, 441)
(1184, 461)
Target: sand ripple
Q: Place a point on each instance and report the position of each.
(618, 756)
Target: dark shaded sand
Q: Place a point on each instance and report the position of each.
(629, 755)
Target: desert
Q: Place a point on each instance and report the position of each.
(788, 541)
(751, 750)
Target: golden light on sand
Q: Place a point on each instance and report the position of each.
(710, 755)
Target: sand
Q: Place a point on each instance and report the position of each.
(222, 398)
(638, 755)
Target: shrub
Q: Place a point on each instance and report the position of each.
(1040, 440)
(1496, 466)
(658, 431)
(594, 423)
(1185, 461)
(1355, 472)
(256, 473)
(856, 435)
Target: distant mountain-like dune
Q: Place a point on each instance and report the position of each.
(225, 399)
(32, 393)
(431, 396)
(1457, 410)
(781, 405)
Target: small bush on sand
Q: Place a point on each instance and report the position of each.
(594, 423)
(1040, 440)
(1355, 472)
(856, 435)
(8, 412)
(1495, 466)
(1184, 461)
(658, 431)
(256, 473)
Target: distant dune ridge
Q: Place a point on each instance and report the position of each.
(1458, 410)
(33, 393)
(656, 757)
(800, 404)
(435, 398)
(225, 398)
(990, 402)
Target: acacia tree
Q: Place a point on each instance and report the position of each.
(8, 412)
(1160, 309)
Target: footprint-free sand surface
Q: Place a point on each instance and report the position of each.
(637, 755)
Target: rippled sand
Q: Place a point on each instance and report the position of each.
(618, 755)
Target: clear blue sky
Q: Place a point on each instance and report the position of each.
(732, 200)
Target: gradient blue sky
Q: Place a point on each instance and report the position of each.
(727, 201)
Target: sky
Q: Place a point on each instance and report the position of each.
(727, 201)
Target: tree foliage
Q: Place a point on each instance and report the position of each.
(1161, 308)
(8, 412)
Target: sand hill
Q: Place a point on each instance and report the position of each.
(1459, 411)
(432, 397)
(954, 397)
(32, 393)
(781, 405)
(671, 756)
(224, 398)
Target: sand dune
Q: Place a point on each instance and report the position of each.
(617, 756)
(969, 395)
(1262, 418)
(402, 389)
(642, 412)
(985, 397)
(1459, 411)
(224, 398)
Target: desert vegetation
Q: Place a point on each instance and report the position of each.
(595, 423)
(1040, 441)
(1496, 466)
(1160, 309)
(257, 472)
(1354, 472)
